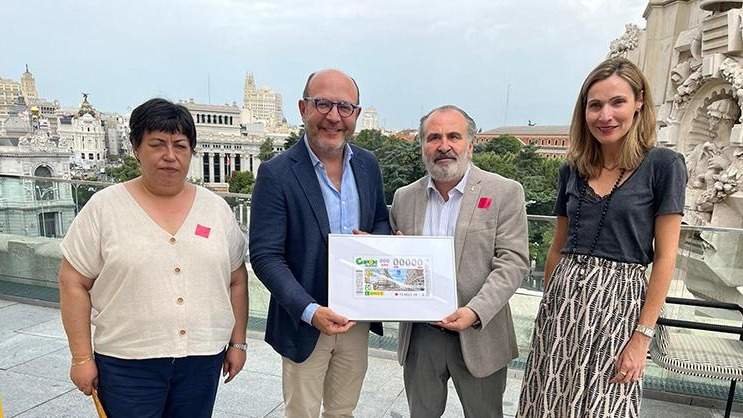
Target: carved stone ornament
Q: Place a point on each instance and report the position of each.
(718, 6)
(629, 40)
(716, 171)
(723, 113)
(732, 72)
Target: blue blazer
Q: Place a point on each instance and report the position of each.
(288, 241)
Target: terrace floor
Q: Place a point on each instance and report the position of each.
(34, 362)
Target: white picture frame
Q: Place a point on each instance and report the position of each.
(391, 277)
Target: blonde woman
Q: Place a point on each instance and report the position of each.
(619, 208)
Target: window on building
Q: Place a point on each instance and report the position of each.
(48, 224)
(82, 155)
(205, 167)
(217, 176)
(90, 156)
(43, 189)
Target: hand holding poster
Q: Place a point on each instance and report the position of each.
(391, 278)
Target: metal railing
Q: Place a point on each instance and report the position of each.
(708, 266)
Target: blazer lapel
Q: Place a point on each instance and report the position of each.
(362, 185)
(419, 210)
(466, 211)
(305, 174)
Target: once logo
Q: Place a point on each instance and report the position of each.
(368, 262)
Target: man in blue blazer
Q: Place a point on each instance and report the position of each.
(321, 185)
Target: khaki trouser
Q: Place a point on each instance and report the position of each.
(331, 376)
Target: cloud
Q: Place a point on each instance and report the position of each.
(408, 55)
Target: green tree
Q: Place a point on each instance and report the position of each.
(293, 138)
(503, 144)
(371, 139)
(266, 152)
(81, 193)
(127, 170)
(400, 162)
(536, 173)
(503, 164)
(241, 182)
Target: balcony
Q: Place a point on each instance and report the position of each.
(34, 356)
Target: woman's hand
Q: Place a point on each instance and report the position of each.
(234, 360)
(630, 366)
(85, 376)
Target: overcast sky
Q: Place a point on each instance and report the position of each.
(407, 56)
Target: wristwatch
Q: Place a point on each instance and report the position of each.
(645, 330)
(239, 346)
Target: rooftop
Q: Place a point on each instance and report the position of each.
(529, 130)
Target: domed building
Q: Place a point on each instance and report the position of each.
(86, 134)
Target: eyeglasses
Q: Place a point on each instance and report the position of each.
(324, 106)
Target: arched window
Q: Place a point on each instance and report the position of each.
(43, 189)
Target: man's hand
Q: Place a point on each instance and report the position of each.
(329, 322)
(460, 320)
(234, 360)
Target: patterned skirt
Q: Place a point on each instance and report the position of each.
(581, 328)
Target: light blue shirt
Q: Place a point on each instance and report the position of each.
(342, 206)
(441, 216)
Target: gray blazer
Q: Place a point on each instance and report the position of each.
(492, 258)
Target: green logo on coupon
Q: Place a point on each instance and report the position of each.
(368, 262)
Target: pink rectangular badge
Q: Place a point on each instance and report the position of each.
(202, 231)
(484, 203)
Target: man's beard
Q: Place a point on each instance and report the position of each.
(448, 172)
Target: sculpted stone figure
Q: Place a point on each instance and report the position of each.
(731, 71)
(629, 40)
(717, 171)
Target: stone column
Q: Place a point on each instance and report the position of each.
(221, 168)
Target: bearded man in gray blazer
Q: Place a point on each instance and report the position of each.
(485, 213)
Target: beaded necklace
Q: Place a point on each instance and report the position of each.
(583, 259)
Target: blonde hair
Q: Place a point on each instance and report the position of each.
(584, 152)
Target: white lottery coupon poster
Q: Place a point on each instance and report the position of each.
(391, 278)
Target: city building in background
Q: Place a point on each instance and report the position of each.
(551, 141)
(28, 86)
(86, 140)
(262, 105)
(223, 146)
(116, 128)
(34, 207)
(11, 98)
(84, 130)
(369, 119)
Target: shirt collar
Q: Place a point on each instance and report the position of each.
(460, 187)
(347, 153)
